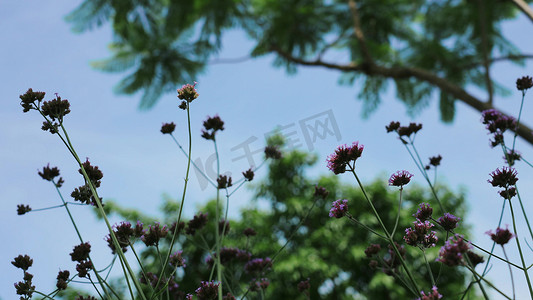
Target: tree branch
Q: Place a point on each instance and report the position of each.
(498, 59)
(359, 32)
(524, 7)
(400, 72)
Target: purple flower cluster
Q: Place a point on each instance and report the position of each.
(400, 178)
(177, 260)
(343, 156)
(258, 265)
(434, 295)
(187, 93)
(207, 290)
(338, 209)
(198, 222)
(453, 251)
(420, 235)
(448, 221)
(154, 233)
(228, 255)
(123, 231)
(80, 253)
(497, 123)
(504, 178)
(424, 212)
(501, 237)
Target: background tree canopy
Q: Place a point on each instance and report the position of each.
(423, 47)
(328, 251)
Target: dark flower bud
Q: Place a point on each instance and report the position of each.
(508, 193)
(272, 152)
(198, 222)
(207, 290)
(228, 296)
(175, 226)
(248, 232)
(224, 181)
(94, 174)
(435, 160)
(168, 128)
(524, 83)
(511, 157)
(81, 252)
(372, 250)
(62, 279)
(393, 126)
(60, 182)
(84, 267)
(28, 99)
(22, 209)
(183, 105)
(248, 174)
(154, 234)
(56, 108)
(501, 237)
(474, 258)
(176, 260)
(49, 126)
(49, 173)
(321, 192)
(214, 123)
(22, 262)
(304, 285)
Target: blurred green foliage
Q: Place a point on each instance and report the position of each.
(163, 43)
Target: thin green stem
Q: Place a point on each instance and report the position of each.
(493, 243)
(428, 267)
(193, 163)
(424, 174)
(523, 211)
(518, 120)
(217, 218)
(488, 282)
(398, 215)
(175, 234)
(389, 237)
(526, 274)
(510, 271)
(125, 266)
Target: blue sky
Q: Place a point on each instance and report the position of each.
(252, 97)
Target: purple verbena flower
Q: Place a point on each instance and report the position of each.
(424, 212)
(501, 237)
(207, 290)
(343, 156)
(338, 208)
(434, 295)
(400, 178)
(453, 251)
(503, 177)
(448, 221)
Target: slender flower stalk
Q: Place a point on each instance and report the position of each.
(175, 234)
(413, 283)
(526, 274)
